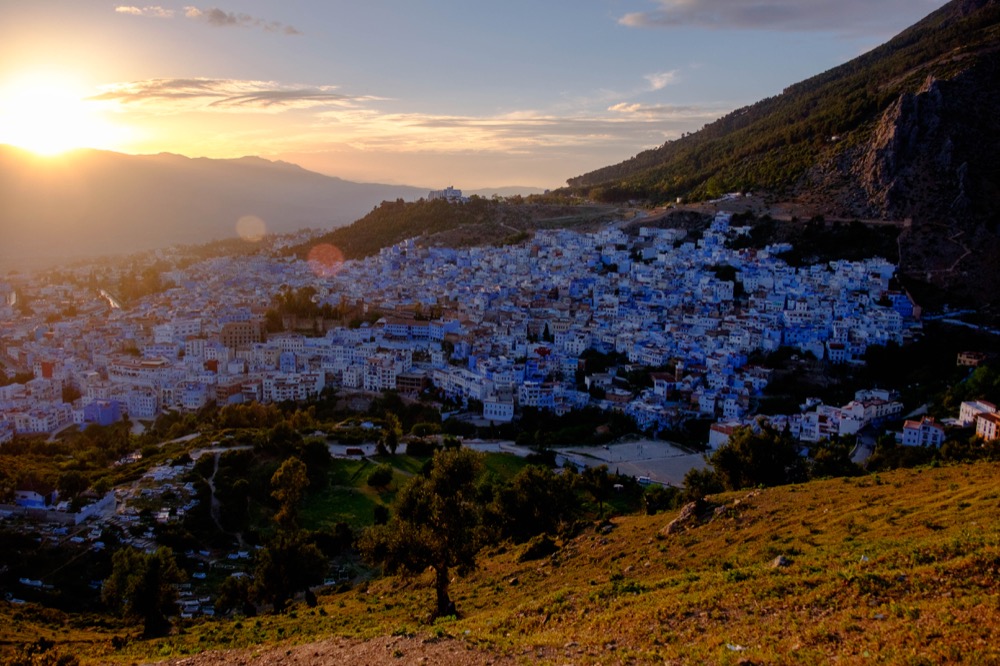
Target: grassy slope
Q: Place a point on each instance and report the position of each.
(901, 568)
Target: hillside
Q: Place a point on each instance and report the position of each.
(480, 221)
(901, 567)
(91, 202)
(905, 131)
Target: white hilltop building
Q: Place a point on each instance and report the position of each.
(449, 194)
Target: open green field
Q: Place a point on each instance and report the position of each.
(348, 497)
(897, 568)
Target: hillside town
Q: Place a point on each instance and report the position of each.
(487, 332)
(495, 328)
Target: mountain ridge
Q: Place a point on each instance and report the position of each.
(91, 202)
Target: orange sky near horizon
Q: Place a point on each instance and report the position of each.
(425, 94)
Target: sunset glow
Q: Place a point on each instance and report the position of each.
(412, 93)
(48, 115)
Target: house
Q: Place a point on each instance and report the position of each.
(36, 498)
(719, 433)
(971, 409)
(988, 427)
(925, 432)
(498, 409)
(970, 359)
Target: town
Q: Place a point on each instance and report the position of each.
(496, 329)
(555, 325)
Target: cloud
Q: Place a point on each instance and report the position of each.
(678, 112)
(223, 19)
(226, 117)
(661, 80)
(154, 11)
(854, 16)
(186, 95)
(516, 133)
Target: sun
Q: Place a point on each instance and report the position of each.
(48, 115)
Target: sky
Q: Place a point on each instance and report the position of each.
(427, 93)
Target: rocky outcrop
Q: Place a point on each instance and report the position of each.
(897, 155)
(702, 511)
(930, 159)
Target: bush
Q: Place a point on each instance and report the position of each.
(421, 448)
(425, 429)
(381, 476)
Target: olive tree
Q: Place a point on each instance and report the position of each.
(436, 523)
(141, 586)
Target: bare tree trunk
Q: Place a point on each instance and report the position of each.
(444, 605)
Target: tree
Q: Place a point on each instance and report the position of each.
(288, 565)
(764, 457)
(391, 432)
(701, 482)
(436, 523)
(71, 484)
(283, 439)
(287, 486)
(537, 500)
(381, 476)
(833, 458)
(141, 586)
(598, 483)
(234, 594)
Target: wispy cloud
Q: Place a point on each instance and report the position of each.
(854, 16)
(661, 80)
(521, 132)
(223, 19)
(213, 16)
(242, 113)
(186, 95)
(683, 112)
(154, 11)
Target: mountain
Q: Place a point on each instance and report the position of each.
(92, 202)
(907, 132)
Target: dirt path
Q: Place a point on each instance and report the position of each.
(215, 506)
(403, 650)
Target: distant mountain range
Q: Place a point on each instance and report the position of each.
(909, 131)
(92, 202)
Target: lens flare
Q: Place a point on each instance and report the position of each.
(325, 260)
(251, 228)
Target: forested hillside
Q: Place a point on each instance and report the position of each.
(774, 143)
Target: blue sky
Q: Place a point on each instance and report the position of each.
(423, 93)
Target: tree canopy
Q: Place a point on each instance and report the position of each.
(436, 523)
(759, 456)
(141, 586)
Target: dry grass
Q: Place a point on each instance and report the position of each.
(901, 568)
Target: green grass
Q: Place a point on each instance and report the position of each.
(403, 463)
(505, 465)
(348, 497)
(355, 506)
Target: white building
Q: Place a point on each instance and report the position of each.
(925, 432)
(970, 411)
(498, 410)
(988, 427)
